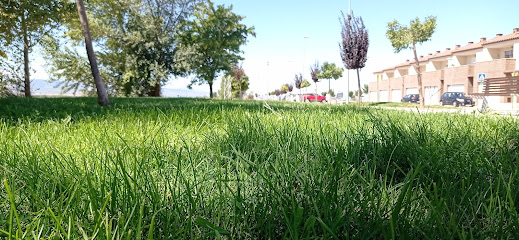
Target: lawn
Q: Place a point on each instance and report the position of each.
(199, 168)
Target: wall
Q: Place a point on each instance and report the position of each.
(516, 55)
(453, 61)
(483, 56)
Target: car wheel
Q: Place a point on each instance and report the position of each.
(324, 101)
(455, 104)
(306, 100)
(442, 103)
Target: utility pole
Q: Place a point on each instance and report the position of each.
(348, 87)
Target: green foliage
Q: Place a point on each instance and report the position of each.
(240, 81)
(210, 42)
(305, 84)
(365, 89)
(137, 45)
(200, 168)
(225, 91)
(22, 25)
(284, 88)
(330, 71)
(403, 37)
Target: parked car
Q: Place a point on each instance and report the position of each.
(411, 98)
(312, 97)
(456, 99)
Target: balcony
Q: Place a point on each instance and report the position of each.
(495, 68)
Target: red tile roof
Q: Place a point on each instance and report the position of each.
(468, 47)
(502, 38)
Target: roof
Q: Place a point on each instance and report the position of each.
(472, 46)
(469, 47)
(503, 38)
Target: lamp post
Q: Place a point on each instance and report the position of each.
(348, 87)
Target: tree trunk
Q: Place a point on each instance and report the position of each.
(211, 90)
(358, 82)
(102, 97)
(157, 89)
(419, 75)
(27, 72)
(329, 88)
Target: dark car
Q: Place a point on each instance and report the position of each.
(456, 99)
(411, 98)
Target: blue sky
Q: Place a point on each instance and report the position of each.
(281, 27)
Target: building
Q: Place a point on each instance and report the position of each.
(453, 70)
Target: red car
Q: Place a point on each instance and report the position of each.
(312, 97)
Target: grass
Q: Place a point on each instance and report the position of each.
(199, 168)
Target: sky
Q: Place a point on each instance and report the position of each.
(291, 35)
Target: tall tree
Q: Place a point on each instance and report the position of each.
(314, 73)
(137, 44)
(212, 41)
(404, 37)
(102, 97)
(330, 71)
(225, 87)
(25, 22)
(354, 46)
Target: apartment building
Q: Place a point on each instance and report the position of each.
(453, 70)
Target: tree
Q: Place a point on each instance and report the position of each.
(211, 42)
(403, 37)
(225, 91)
(298, 80)
(102, 97)
(137, 42)
(329, 71)
(365, 89)
(284, 88)
(22, 25)
(240, 81)
(277, 92)
(290, 87)
(305, 84)
(354, 46)
(314, 73)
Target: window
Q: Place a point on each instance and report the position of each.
(509, 54)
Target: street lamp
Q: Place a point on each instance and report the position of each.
(348, 87)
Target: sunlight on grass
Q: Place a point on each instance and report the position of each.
(199, 168)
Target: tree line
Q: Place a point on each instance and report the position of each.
(139, 44)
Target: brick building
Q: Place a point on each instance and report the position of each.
(452, 70)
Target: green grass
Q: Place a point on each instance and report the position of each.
(199, 168)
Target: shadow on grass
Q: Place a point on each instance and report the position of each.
(20, 110)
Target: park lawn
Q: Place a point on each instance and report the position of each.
(199, 168)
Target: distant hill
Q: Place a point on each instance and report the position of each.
(43, 88)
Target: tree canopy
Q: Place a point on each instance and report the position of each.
(138, 43)
(22, 24)
(354, 46)
(403, 37)
(211, 41)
